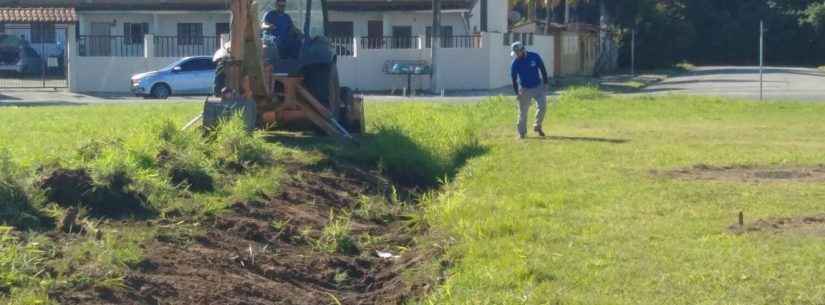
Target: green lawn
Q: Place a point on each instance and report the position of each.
(578, 218)
(35, 134)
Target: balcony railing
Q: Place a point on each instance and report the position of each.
(391, 42)
(458, 42)
(108, 46)
(343, 46)
(175, 46)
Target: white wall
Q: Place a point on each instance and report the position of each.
(110, 74)
(459, 69)
(496, 16)
(365, 72)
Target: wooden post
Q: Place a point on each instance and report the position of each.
(240, 9)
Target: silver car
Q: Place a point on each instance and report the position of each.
(188, 76)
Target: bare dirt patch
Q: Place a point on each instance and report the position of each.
(749, 173)
(807, 225)
(263, 253)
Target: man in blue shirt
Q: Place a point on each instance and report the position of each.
(279, 25)
(529, 72)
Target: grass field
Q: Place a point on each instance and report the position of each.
(581, 217)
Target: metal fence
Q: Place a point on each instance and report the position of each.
(174, 46)
(391, 42)
(525, 38)
(459, 42)
(34, 65)
(344, 46)
(108, 46)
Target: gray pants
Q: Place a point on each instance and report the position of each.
(524, 100)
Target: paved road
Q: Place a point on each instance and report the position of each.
(49, 97)
(743, 82)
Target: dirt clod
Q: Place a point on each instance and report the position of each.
(749, 173)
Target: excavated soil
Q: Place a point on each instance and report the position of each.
(75, 187)
(241, 258)
(749, 173)
(808, 225)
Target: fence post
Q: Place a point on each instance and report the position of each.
(71, 55)
(149, 46)
(355, 47)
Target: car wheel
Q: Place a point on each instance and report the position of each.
(161, 91)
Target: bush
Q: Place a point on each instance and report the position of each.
(19, 202)
(236, 149)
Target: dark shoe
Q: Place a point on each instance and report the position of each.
(521, 136)
(538, 130)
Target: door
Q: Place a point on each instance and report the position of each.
(402, 37)
(194, 77)
(100, 41)
(375, 34)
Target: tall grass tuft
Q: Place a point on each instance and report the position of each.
(19, 202)
(235, 148)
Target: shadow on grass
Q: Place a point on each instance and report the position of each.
(584, 139)
(394, 154)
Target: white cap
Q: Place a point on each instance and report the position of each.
(516, 46)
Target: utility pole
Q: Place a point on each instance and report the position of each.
(633, 53)
(761, 59)
(435, 38)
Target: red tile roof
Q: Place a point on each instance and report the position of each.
(38, 14)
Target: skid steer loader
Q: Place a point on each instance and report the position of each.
(300, 91)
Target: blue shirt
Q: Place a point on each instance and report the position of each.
(528, 70)
(282, 22)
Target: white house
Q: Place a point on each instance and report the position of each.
(402, 23)
(114, 39)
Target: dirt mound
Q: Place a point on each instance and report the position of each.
(749, 173)
(267, 253)
(75, 187)
(808, 225)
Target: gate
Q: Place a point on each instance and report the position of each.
(34, 56)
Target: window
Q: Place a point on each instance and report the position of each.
(221, 28)
(190, 34)
(446, 36)
(133, 33)
(2, 28)
(402, 37)
(198, 64)
(43, 33)
(341, 29)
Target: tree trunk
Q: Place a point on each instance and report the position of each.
(549, 18)
(607, 50)
(531, 10)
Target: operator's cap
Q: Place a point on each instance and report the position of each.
(515, 47)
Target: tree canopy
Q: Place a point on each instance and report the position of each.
(707, 31)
